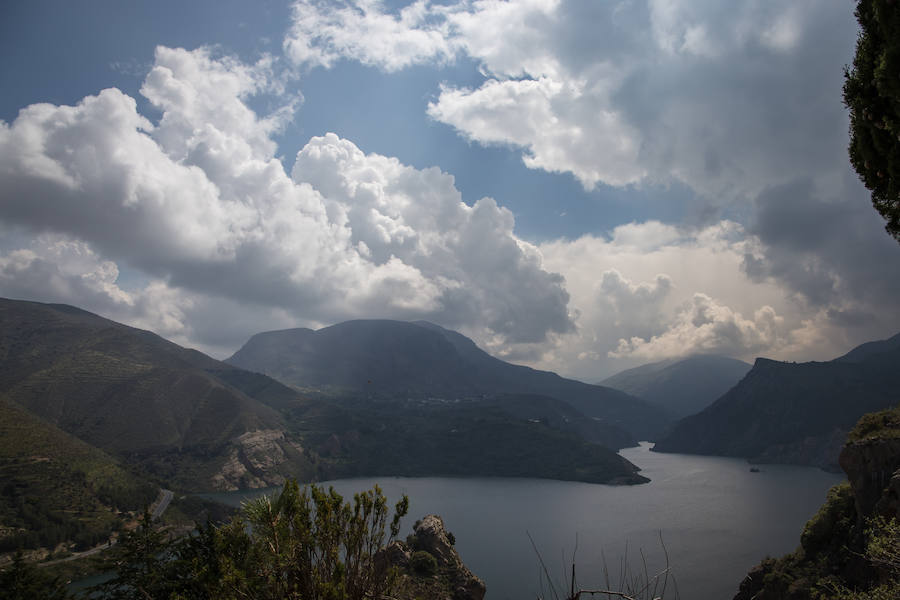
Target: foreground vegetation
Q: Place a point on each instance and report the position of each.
(872, 94)
(836, 560)
(306, 543)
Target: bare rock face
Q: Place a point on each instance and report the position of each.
(889, 503)
(233, 475)
(261, 448)
(432, 538)
(870, 466)
(251, 461)
(451, 579)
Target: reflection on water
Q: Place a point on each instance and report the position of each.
(716, 517)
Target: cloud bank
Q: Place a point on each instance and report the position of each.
(739, 102)
(183, 218)
(619, 93)
(199, 203)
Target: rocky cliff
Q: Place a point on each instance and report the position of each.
(796, 413)
(872, 465)
(430, 567)
(851, 548)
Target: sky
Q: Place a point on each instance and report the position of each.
(582, 186)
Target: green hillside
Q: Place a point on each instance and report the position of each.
(55, 488)
(419, 438)
(157, 406)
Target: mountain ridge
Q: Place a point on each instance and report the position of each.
(386, 357)
(798, 413)
(199, 424)
(682, 386)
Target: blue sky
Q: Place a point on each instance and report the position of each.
(111, 44)
(580, 186)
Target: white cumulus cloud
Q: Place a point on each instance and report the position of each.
(199, 205)
(323, 32)
(649, 291)
(704, 326)
(620, 92)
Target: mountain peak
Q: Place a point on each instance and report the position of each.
(869, 349)
(683, 386)
(418, 359)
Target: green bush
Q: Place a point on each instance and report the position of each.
(828, 530)
(423, 563)
(882, 424)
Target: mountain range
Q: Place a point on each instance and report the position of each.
(96, 416)
(397, 359)
(796, 413)
(176, 417)
(681, 386)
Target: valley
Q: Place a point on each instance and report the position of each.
(118, 413)
(144, 413)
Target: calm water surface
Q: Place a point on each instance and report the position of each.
(716, 517)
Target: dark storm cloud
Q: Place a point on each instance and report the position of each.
(828, 248)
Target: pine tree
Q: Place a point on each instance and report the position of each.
(24, 581)
(872, 93)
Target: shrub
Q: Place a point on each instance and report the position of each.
(828, 530)
(423, 563)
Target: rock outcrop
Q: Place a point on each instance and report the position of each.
(871, 466)
(835, 553)
(253, 461)
(431, 567)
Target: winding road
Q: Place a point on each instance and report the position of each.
(162, 503)
(159, 507)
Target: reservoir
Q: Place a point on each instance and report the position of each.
(716, 518)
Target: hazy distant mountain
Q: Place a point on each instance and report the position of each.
(196, 423)
(682, 386)
(421, 360)
(794, 412)
(871, 349)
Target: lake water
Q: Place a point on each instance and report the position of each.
(717, 520)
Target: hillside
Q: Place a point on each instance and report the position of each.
(140, 398)
(682, 386)
(790, 412)
(395, 359)
(56, 488)
(180, 417)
